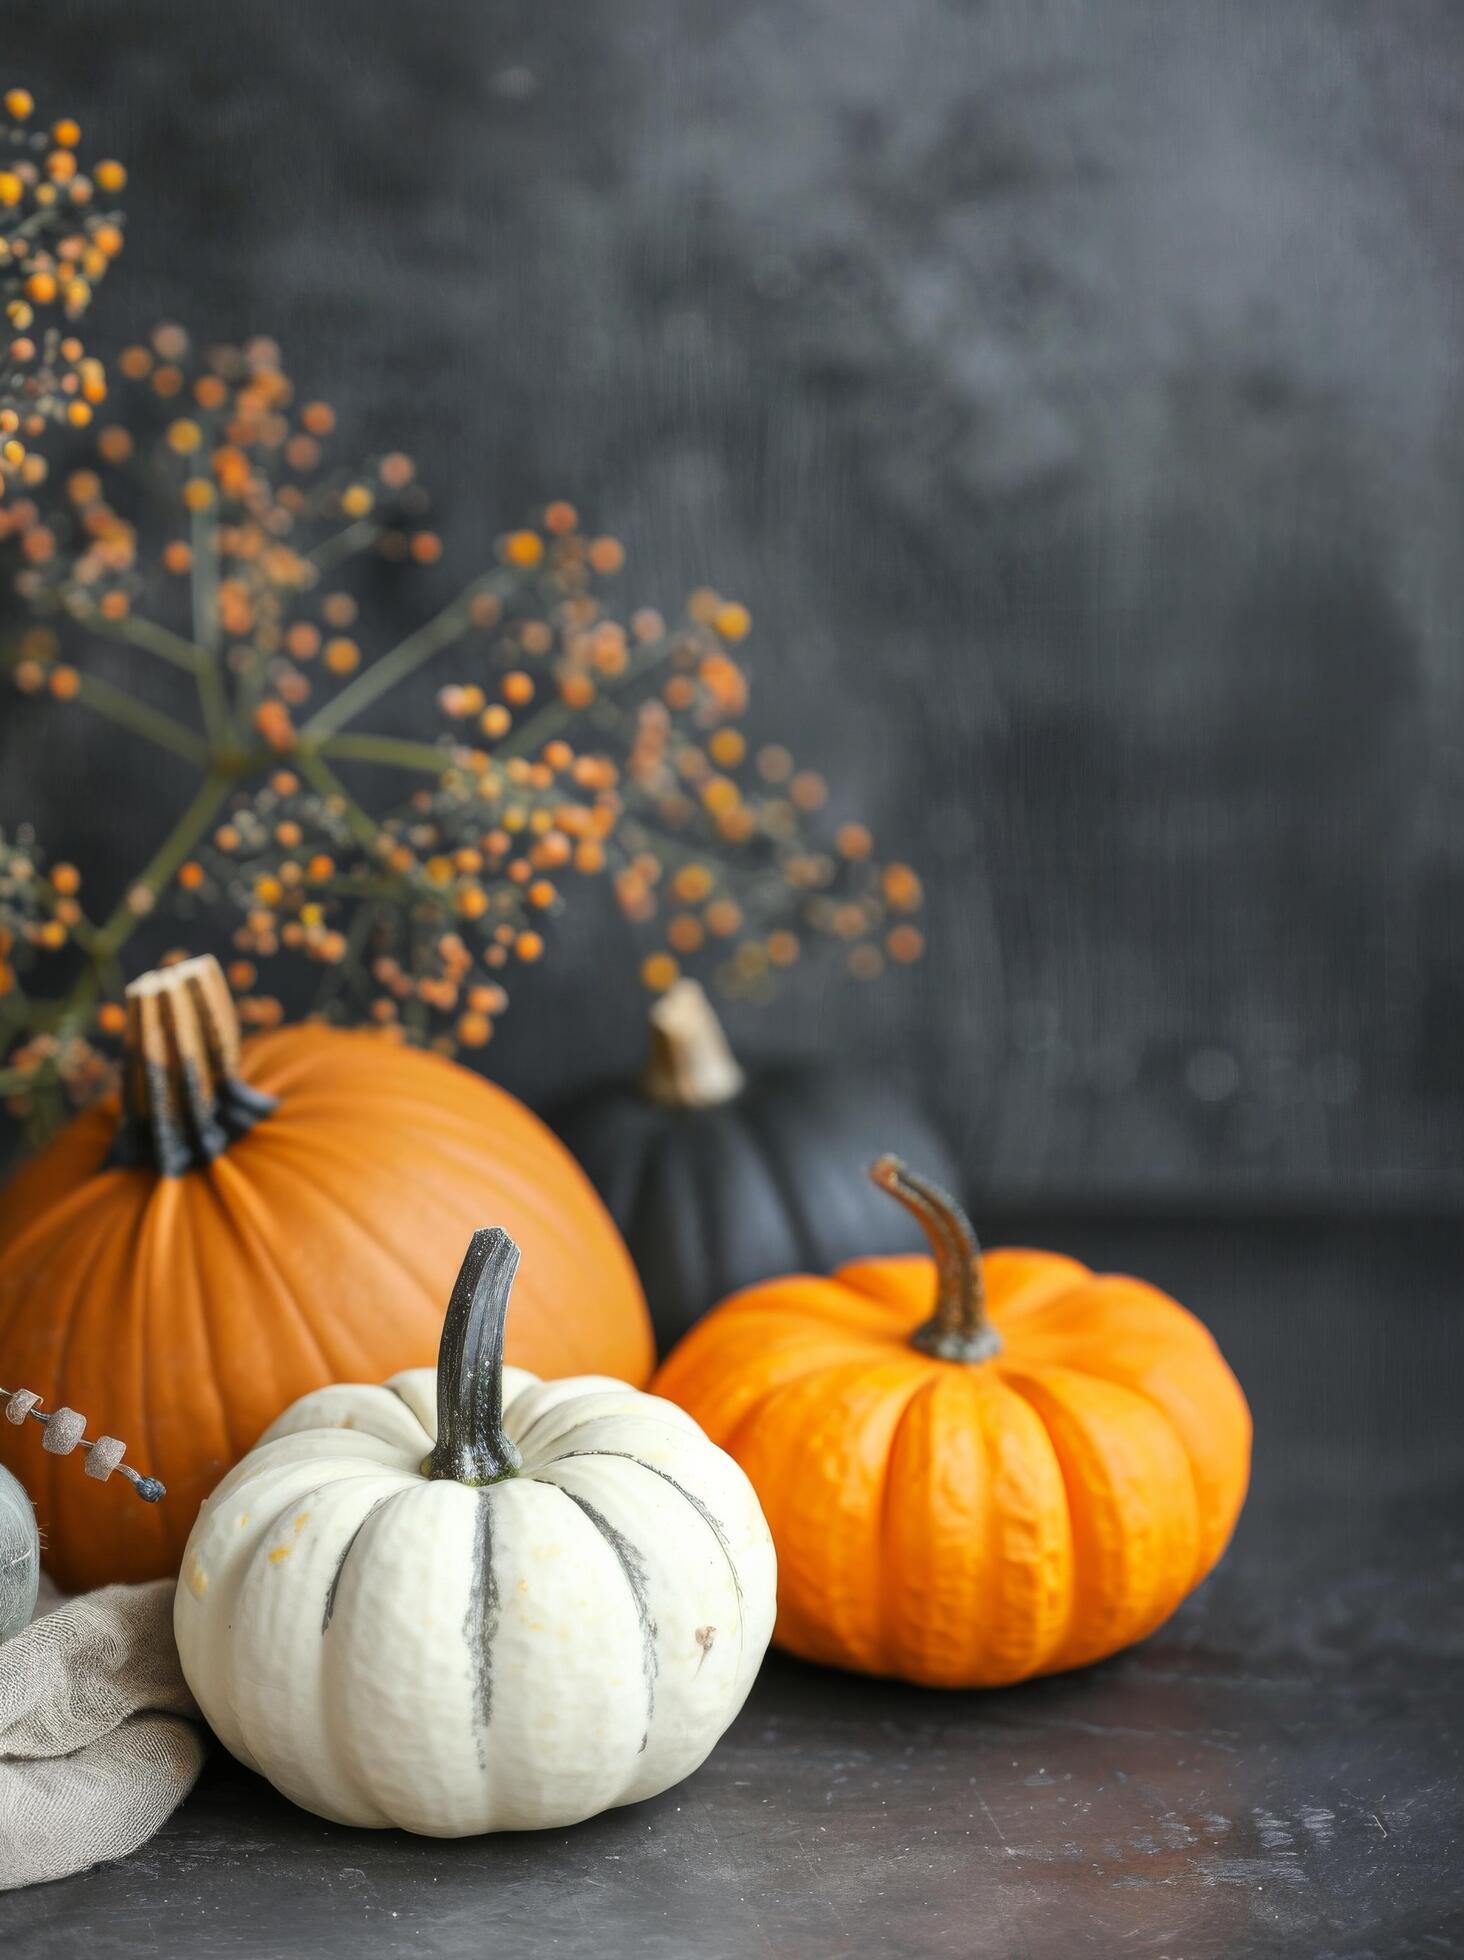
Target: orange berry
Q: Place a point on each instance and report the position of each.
(607, 555)
(524, 549)
(659, 971)
(528, 946)
(272, 721)
(190, 875)
(110, 177)
(902, 888)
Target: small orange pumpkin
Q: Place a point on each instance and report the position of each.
(1027, 1479)
(261, 1222)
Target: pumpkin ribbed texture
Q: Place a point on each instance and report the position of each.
(967, 1524)
(186, 1312)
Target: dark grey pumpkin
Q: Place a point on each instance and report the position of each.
(20, 1557)
(718, 1180)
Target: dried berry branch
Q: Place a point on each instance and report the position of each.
(214, 539)
(55, 248)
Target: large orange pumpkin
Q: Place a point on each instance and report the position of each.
(1025, 1479)
(262, 1222)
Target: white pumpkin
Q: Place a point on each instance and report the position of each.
(477, 1602)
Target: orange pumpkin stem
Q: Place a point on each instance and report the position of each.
(959, 1329)
(183, 1101)
(690, 1064)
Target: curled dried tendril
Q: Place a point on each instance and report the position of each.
(414, 872)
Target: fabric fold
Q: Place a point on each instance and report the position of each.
(99, 1736)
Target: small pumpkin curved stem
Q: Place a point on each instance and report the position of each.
(472, 1445)
(959, 1329)
(183, 1102)
(690, 1064)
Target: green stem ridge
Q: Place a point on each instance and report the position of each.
(472, 1445)
(958, 1329)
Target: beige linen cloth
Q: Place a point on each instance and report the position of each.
(99, 1737)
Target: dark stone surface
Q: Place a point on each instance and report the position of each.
(1277, 1771)
(1071, 391)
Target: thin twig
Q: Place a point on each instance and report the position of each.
(174, 848)
(146, 633)
(212, 696)
(388, 749)
(404, 658)
(66, 1431)
(345, 544)
(361, 825)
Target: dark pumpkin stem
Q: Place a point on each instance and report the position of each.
(472, 1446)
(183, 1101)
(690, 1064)
(958, 1330)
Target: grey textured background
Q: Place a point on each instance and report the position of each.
(1073, 394)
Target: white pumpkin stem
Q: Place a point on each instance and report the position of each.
(66, 1431)
(183, 1101)
(690, 1065)
(959, 1329)
(472, 1446)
